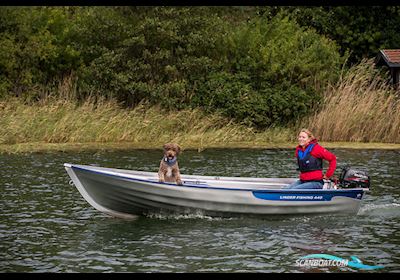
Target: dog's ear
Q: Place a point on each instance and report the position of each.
(166, 147)
(178, 149)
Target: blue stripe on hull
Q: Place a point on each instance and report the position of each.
(284, 196)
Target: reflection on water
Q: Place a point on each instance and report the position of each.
(46, 226)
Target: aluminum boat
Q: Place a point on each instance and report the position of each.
(129, 193)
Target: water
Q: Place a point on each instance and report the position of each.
(46, 226)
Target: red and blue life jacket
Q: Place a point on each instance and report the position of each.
(306, 161)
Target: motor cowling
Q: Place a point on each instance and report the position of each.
(352, 178)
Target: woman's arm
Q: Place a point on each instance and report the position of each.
(323, 153)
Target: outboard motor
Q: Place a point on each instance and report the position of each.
(351, 178)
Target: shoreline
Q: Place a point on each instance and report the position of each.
(40, 147)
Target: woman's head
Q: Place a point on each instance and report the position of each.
(305, 136)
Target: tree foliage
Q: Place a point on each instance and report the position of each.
(360, 31)
(272, 73)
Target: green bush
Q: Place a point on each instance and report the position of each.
(161, 53)
(274, 73)
(235, 97)
(360, 31)
(35, 48)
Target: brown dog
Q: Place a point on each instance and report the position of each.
(169, 169)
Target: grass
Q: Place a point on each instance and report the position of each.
(360, 108)
(360, 111)
(51, 124)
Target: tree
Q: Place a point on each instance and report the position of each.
(360, 31)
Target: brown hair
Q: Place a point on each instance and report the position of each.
(305, 130)
(172, 146)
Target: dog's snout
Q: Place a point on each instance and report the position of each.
(170, 154)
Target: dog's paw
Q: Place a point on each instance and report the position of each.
(179, 183)
(161, 181)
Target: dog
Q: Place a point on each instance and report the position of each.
(169, 169)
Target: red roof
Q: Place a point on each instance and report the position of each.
(392, 56)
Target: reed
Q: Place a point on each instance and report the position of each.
(362, 107)
(63, 120)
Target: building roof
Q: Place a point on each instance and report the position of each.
(390, 58)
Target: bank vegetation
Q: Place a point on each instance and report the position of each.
(199, 76)
(361, 108)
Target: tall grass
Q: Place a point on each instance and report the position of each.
(60, 118)
(360, 108)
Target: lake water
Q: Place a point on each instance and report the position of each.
(46, 226)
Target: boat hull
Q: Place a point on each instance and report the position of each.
(126, 194)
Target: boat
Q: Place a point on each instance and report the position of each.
(130, 193)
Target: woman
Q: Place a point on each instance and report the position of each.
(309, 156)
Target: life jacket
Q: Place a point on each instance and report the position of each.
(306, 161)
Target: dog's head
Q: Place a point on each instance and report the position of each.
(171, 150)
